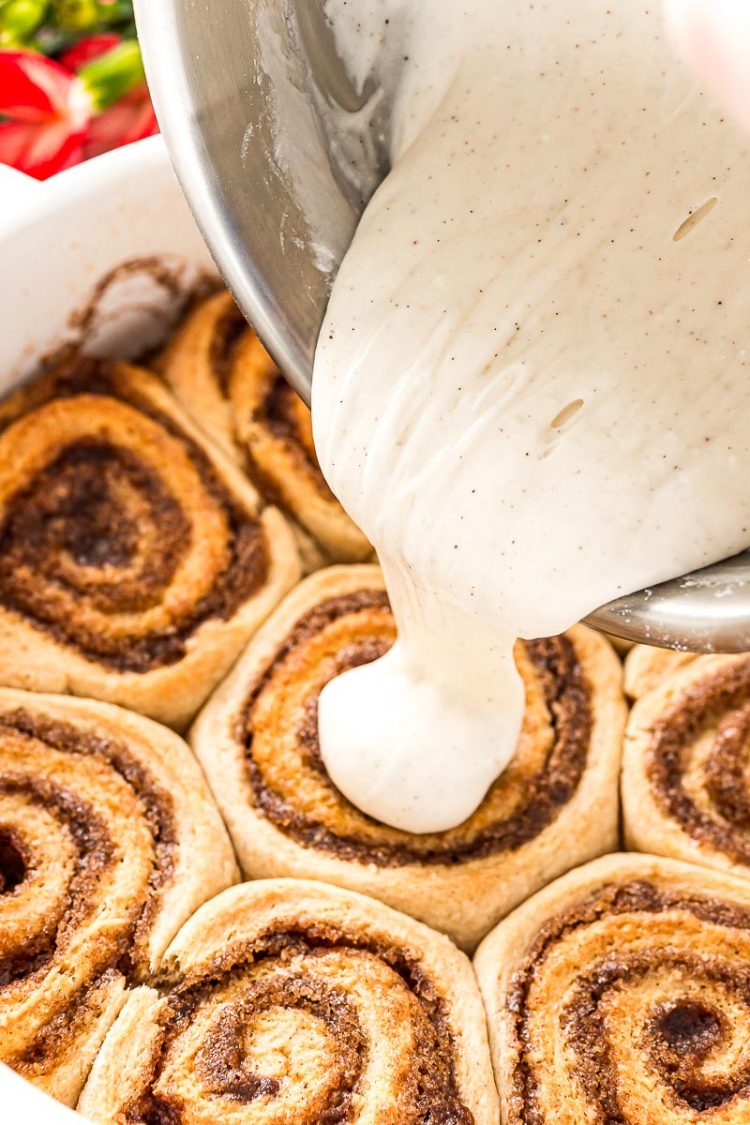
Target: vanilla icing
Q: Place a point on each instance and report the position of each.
(531, 389)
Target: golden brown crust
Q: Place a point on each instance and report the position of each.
(221, 372)
(620, 645)
(196, 364)
(135, 561)
(554, 806)
(685, 774)
(109, 840)
(621, 993)
(646, 668)
(297, 1002)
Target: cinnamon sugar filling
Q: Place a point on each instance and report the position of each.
(26, 957)
(13, 861)
(721, 701)
(279, 412)
(228, 332)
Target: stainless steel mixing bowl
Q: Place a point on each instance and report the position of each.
(235, 84)
(277, 192)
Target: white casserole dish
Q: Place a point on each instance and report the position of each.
(58, 240)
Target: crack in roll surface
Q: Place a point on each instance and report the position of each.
(298, 1003)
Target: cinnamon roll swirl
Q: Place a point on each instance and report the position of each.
(135, 560)
(687, 763)
(646, 668)
(554, 806)
(223, 375)
(294, 1002)
(109, 840)
(621, 993)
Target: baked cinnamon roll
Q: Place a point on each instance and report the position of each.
(223, 375)
(294, 1002)
(135, 560)
(109, 840)
(685, 772)
(554, 806)
(619, 644)
(646, 668)
(621, 993)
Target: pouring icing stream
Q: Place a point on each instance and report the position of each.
(531, 389)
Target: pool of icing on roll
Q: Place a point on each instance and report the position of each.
(531, 388)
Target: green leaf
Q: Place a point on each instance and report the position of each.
(114, 74)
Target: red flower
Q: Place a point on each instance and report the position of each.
(52, 118)
(45, 113)
(130, 119)
(88, 49)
